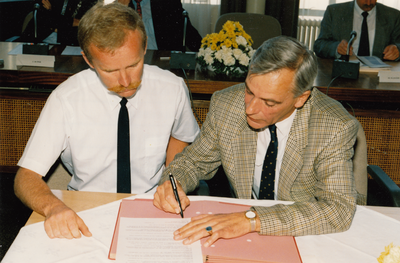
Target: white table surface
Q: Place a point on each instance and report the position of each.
(370, 232)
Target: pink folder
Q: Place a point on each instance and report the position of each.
(249, 248)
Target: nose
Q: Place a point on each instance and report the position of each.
(252, 106)
(124, 78)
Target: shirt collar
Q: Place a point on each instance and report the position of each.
(359, 11)
(285, 125)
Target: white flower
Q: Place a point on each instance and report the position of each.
(251, 53)
(226, 51)
(201, 53)
(208, 51)
(394, 255)
(237, 53)
(229, 60)
(244, 60)
(208, 59)
(240, 40)
(218, 55)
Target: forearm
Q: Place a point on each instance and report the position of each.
(174, 147)
(307, 218)
(34, 192)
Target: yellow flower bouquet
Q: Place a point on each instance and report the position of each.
(227, 52)
(390, 255)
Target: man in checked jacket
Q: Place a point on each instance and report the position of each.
(315, 149)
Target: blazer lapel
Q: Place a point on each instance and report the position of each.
(292, 161)
(348, 14)
(380, 29)
(244, 148)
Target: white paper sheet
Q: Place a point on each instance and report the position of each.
(143, 240)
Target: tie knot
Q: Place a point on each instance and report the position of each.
(272, 130)
(123, 102)
(365, 14)
(138, 1)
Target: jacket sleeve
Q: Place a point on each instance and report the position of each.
(201, 159)
(332, 200)
(326, 45)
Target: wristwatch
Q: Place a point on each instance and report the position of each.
(251, 215)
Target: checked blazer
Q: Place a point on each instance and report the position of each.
(337, 24)
(316, 171)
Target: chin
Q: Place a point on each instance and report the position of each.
(256, 125)
(127, 93)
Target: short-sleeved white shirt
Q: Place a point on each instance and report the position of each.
(80, 119)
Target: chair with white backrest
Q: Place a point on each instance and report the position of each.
(259, 27)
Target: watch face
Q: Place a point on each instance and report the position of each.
(250, 214)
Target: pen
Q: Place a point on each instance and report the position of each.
(172, 179)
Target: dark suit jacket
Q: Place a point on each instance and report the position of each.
(316, 171)
(168, 26)
(337, 25)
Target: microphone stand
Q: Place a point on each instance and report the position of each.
(182, 59)
(35, 48)
(343, 68)
(185, 18)
(35, 10)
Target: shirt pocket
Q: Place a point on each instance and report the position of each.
(155, 153)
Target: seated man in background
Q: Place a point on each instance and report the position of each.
(278, 138)
(382, 30)
(82, 117)
(164, 24)
(65, 16)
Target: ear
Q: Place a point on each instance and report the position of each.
(86, 59)
(302, 99)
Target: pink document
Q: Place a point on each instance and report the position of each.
(249, 248)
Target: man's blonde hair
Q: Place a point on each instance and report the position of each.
(107, 26)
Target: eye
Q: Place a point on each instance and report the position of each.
(269, 103)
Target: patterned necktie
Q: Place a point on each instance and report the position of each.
(138, 8)
(123, 152)
(269, 167)
(363, 49)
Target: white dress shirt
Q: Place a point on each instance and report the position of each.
(264, 137)
(80, 119)
(357, 23)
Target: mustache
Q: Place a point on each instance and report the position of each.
(369, 6)
(119, 88)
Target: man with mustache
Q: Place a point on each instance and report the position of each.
(79, 120)
(382, 24)
(309, 163)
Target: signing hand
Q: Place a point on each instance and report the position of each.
(391, 52)
(342, 48)
(223, 226)
(164, 198)
(62, 222)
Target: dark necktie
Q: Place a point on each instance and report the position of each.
(363, 48)
(123, 153)
(269, 167)
(138, 8)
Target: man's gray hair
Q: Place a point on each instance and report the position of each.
(286, 52)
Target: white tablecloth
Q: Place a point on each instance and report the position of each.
(363, 242)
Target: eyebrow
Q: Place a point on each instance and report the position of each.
(111, 70)
(266, 100)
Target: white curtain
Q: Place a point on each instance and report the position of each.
(203, 14)
(322, 4)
